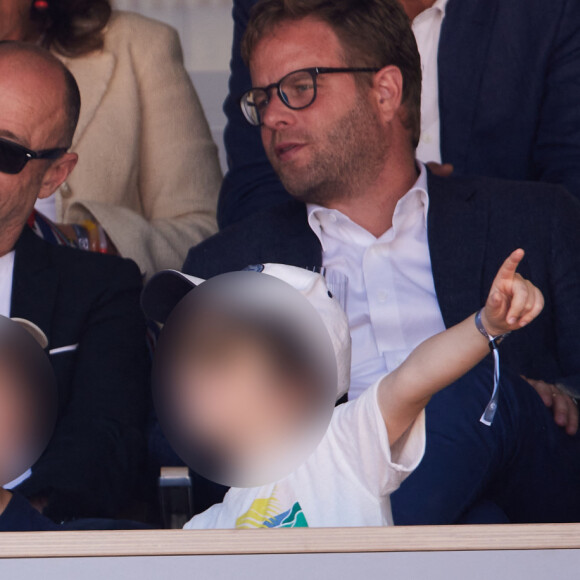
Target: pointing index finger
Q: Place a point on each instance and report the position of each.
(509, 267)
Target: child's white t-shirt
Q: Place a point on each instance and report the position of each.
(345, 482)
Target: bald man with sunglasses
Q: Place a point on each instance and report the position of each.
(86, 304)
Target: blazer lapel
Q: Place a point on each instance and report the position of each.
(295, 242)
(463, 47)
(35, 282)
(93, 74)
(457, 231)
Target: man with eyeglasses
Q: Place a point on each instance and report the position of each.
(499, 97)
(86, 304)
(419, 252)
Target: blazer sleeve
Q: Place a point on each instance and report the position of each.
(20, 516)
(279, 235)
(556, 152)
(96, 454)
(565, 285)
(250, 184)
(179, 172)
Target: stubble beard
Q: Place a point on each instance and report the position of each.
(352, 156)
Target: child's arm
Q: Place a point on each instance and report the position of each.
(439, 361)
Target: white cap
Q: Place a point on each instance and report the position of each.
(166, 289)
(33, 330)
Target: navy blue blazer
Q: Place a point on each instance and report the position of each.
(473, 225)
(509, 95)
(89, 303)
(20, 516)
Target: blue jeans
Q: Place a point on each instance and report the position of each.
(522, 469)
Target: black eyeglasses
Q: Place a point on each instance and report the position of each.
(296, 90)
(14, 157)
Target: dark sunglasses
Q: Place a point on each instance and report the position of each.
(14, 157)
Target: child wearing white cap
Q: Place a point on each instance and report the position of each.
(368, 446)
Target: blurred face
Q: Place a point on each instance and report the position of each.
(244, 379)
(15, 424)
(326, 152)
(236, 395)
(14, 19)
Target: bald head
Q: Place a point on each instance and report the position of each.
(38, 70)
(39, 107)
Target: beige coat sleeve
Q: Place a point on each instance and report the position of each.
(173, 163)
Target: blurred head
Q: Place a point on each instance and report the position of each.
(71, 27)
(245, 378)
(27, 400)
(39, 108)
(343, 140)
(245, 386)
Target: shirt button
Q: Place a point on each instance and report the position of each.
(65, 190)
(382, 295)
(332, 218)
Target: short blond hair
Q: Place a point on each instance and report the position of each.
(373, 33)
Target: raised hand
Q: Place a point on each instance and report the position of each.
(439, 361)
(513, 302)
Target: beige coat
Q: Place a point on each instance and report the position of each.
(148, 169)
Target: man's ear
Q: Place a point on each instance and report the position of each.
(57, 174)
(388, 86)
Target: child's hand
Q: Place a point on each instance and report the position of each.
(513, 302)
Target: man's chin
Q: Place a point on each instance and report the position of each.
(302, 183)
(297, 190)
(294, 180)
(309, 194)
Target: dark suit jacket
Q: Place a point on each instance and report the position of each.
(93, 459)
(20, 516)
(473, 225)
(508, 100)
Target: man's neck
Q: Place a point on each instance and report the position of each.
(373, 208)
(9, 237)
(414, 7)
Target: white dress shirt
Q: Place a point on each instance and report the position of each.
(6, 273)
(391, 302)
(47, 207)
(427, 29)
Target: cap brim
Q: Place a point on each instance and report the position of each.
(164, 292)
(33, 330)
